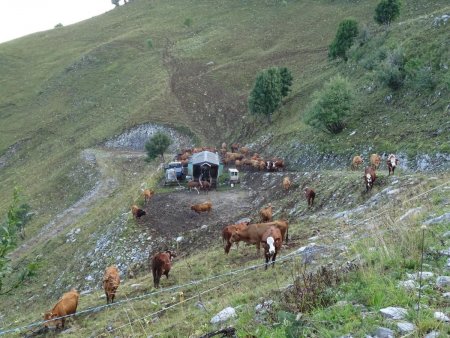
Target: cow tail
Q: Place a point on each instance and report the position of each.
(287, 235)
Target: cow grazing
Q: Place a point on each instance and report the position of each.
(278, 164)
(310, 195)
(375, 161)
(369, 177)
(193, 185)
(137, 212)
(202, 207)
(392, 163)
(357, 161)
(111, 281)
(66, 305)
(160, 265)
(271, 241)
(228, 231)
(148, 194)
(266, 213)
(253, 233)
(286, 183)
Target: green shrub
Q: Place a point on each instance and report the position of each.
(392, 71)
(345, 36)
(188, 22)
(387, 11)
(331, 106)
(157, 145)
(149, 43)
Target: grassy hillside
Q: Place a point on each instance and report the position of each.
(64, 92)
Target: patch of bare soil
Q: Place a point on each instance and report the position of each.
(169, 215)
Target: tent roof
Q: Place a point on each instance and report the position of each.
(205, 156)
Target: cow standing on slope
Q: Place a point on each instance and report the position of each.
(392, 163)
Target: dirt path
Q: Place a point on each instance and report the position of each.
(103, 188)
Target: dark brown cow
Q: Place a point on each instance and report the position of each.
(161, 264)
(111, 282)
(369, 177)
(137, 212)
(65, 306)
(271, 241)
(310, 194)
(392, 163)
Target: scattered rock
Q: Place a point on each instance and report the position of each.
(442, 317)
(396, 313)
(443, 281)
(264, 307)
(223, 315)
(383, 332)
(440, 219)
(416, 276)
(405, 327)
(408, 284)
(411, 213)
(432, 334)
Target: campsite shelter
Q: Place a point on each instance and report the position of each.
(205, 166)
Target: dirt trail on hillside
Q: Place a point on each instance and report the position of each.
(102, 189)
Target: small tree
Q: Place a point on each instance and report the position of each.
(331, 106)
(345, 36)
(157, 145)
(265, 96)
(387, 11)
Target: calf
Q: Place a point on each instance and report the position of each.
(148, 194)
(266, 213)
(310, 194)
(369, 177)
(202, 207)
(193, 185)
(286, 183)
(271, 241)
(357, 161)
(66, 305)
(228, 231)
(111, 281)
(392, 162)
(137, 212)
(375, 161)
(160, 265)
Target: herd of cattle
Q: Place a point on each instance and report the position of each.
(375, 161)
(268, 232)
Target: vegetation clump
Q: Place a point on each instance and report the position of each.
(345, 36)
(387, 11)
(157, 145)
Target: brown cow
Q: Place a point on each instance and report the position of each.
(137, 212)
(392, 163)
(266, 213)
(310, 194)
(253, 233)
(160, 265)
(66, 305)
(111, 281)
(271, 241)
(202, 207)
(193, 185)
(235, 147)
(278, 164)
(369, 177)
(148, 194)
(205, 186)
(375, 161)
(286, 183)
(357, 161)
(228, 231)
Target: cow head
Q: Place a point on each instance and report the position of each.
(236, 236)
(172, 254)
(369, 180)
(270, 242)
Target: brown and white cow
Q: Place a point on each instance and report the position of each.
(369, 177)
(160, 264)
(66, 305)
(271, 241)
(392, 162)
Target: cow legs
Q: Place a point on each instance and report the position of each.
(273, 259)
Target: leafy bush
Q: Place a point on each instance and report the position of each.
(149, 43)
(387, 11)
(345, 36)
(392, 71)
(188, 22)
(157, 145)
(331, 106)
(271, 85)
